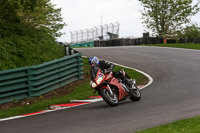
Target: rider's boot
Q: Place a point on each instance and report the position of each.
(128, 84)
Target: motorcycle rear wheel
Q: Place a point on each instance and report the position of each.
(111, 100)
(135, 95)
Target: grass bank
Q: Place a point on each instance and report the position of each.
(190, 125)
(78, 90)
(19, 51)
(177, 45)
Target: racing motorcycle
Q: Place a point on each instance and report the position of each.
(112, 89)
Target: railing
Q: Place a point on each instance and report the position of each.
(31, 81)
(83, 44)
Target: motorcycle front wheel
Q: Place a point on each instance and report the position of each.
(135, 95)
(110, 99)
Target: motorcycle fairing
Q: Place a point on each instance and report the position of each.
(122, 92)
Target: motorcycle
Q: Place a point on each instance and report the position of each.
(112, 89)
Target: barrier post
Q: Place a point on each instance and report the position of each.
(67, 51)
(79, 66)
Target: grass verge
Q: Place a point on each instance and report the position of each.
(177, 45)
(80, 91)
(190, 125)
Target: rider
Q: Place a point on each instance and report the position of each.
(105, 67)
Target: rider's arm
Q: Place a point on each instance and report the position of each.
(109, 66)
(105, 66)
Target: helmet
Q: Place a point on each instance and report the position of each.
(93, 60)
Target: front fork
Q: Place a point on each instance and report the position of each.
(134, 84)
(110, 90)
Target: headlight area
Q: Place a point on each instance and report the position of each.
(94, 85)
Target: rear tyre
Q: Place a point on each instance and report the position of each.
(111, 100)
(135, 94)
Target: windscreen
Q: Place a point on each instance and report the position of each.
(93, 72)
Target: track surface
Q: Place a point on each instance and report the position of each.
(173, 95)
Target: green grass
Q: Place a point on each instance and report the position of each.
(190, 125)
(20, 51)
(80, 92)
(140, 78)
(177, 45)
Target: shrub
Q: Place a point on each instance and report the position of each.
(18, 51)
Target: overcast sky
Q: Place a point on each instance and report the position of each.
(86, 14)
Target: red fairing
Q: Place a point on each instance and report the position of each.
(103, 76)
(112, 89)
(112, 81)
(115, 82)
(122, 92)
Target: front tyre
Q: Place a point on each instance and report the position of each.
(135, 94)
(111, 100)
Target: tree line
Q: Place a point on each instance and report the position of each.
(170, 18)
(28, 31)
(25, 15)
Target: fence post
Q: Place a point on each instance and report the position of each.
(29, 82)
(67, 51)
(72, 52)
(79, 66)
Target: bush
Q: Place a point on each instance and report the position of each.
(35, 48)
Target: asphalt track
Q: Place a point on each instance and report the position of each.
(173, 95)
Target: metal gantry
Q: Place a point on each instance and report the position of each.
(102, 32)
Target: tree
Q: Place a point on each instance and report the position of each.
(190, 31)
(10, 8)
(40, 15)
(166, 17)
(27, 33)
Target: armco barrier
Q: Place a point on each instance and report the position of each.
(128, 41)
(31, 81)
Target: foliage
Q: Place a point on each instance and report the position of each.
(18, 51)
(27, 33)
(31, 14)
(165, 17)
(190, 31)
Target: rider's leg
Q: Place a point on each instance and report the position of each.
(128, 82)
(125, 81)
